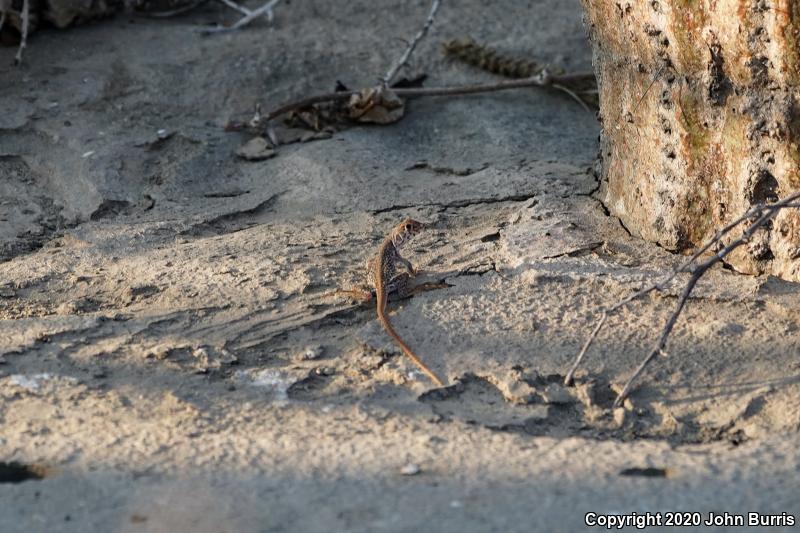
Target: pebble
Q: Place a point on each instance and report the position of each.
(309, 353)
(411, 469)
(619, 416)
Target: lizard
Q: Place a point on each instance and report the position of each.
(384, 276)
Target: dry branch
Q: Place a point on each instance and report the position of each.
(541, 80)
(400, 63)
(23, 40)
(249, 16)
(760, 215)
(236, 7)
(177, 11)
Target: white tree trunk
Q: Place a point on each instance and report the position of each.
(700, 111)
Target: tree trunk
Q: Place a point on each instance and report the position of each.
(700, 111)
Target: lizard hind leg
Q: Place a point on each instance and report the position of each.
(430, 286)
(402, 287)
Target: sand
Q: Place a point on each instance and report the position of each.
(170, 359)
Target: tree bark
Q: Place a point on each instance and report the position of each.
(700, 110)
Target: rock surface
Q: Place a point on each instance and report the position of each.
(169, 302)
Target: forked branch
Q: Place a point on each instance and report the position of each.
(249, 15)
(760, 215)
(400, 63)
(543, 79)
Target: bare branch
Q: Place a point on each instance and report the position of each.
(697, 273)
(571, 374)
(572, 95)
(175, 12)
(395, 68)
(249, 16)
(788, 202)
(23, 41)
(540, 80)
(236, 7)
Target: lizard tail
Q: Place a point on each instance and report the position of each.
(406, 350)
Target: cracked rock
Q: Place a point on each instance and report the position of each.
(513, 387)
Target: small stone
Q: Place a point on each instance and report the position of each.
(73, 307)
(256, 149)
(226, 357)
(309, 353)
(162, 351)
(619, 416)
(556, 394)
(203, 359)
(212, 358)
(411, 469)
(586, 394)
(628, 404)
(514, 386)
(7, 292)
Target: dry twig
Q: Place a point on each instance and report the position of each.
(23, 40)
(241, 9)
(540, 79)
(543, 79)
(249, 16)
(488, 59)
(177, 11)
(572, 95)
(395, 68)
(760, 215)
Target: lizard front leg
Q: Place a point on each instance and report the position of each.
(400, 286)
(407, 265)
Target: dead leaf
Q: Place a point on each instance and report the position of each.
(378, 105)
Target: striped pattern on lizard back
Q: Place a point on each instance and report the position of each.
(384, 276)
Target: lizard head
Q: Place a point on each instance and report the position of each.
(405, 230)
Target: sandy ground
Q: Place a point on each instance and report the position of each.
(169, 358)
